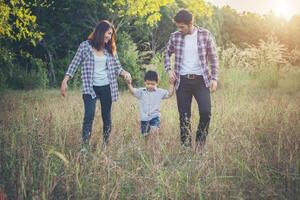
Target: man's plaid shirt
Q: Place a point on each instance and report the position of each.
(206, 51)
(85, 57)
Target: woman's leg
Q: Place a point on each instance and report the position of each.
(89, 113)
(106, 103)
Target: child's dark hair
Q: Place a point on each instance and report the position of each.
(151, 76)
(183, 16)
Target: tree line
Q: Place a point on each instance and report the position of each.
(39, 38)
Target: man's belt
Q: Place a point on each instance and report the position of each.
(192, 76)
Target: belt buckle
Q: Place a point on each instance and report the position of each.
(191, 76)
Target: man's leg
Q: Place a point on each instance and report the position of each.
(106, 103)
(89, 113)
(184, 101)
(202, 96)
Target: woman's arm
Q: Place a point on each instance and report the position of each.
(71, 70)
(76, 61)
(64, 86)
(126, 75)
(120, 71)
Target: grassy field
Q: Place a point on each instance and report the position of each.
(252, 151)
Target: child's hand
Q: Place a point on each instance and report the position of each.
(128, 81)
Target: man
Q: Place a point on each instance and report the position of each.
(193, 48)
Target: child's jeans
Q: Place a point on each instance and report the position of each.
(146, 125)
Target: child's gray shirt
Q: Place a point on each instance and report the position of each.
(149, 102)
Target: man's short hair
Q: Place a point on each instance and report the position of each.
(151, 76)
(183, 16)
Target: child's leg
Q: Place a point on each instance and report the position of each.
(145, 129)
(147, 141)
(150, 130)
(199, 146)
(155, 144)
(154, 132)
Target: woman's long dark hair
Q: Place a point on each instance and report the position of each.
(96, 38)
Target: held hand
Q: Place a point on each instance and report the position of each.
(127, 77)
(213, 86)
(63, 88)
(128, 81)
(172, 76)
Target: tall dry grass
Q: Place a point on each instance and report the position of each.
(252, 150)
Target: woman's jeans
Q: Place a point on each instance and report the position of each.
(103, 93)
(188, 89)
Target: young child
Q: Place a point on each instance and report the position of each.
(149, 102)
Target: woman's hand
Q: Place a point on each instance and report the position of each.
(127, 77)
(64, 86)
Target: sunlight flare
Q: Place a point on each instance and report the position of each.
(283, 9)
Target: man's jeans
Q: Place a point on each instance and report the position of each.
(187, 89)
(103, 93)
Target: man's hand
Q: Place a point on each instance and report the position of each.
(172, 76)
(213, 86)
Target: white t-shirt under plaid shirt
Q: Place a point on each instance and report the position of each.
(85, 57)
(149, 102)
(206, 51)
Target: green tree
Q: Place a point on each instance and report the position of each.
(17, 21)
(199, 8)
(147, 9)
(18, 31)
(65, 23)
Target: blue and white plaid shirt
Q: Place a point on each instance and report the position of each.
(206, 51)
(85, 56)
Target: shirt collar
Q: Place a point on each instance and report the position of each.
(198, 29)
(145, 89)
(91, 49)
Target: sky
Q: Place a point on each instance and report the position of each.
(281, 8)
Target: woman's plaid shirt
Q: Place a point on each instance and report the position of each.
(206, 51)
(85, 57)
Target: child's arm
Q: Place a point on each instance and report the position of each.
(131, 89)
(171, 90)
(168, 93)
(134, 91)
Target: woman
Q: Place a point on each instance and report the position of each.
(99, 72)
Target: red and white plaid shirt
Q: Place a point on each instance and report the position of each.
(206, 51)
(85, 56)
